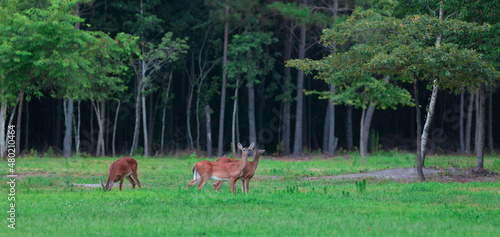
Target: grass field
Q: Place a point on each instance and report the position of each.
(280, 203)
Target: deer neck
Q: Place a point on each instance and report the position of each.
(243, 163)
(255, 161)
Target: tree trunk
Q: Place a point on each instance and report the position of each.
(461, 122)
(233, 124)
(476, 131)
(209, 131)
(362, 151)
(297, 143)
(428, 120)
(366, 126)
(348, 128)
(326, 128)
(135, 139)
(420, 163)
(482, 120)
(469, 124)
(77, 130)
(18, 126)
(11, 119)
(331, 137)
(251, 113)
(144, 125)
(287, 100)
(490, 119)
(68, 126)
(167, 96)
(27, 127)
(91, 126)
(224, 81)
(3, 116)
(188, 115)
(100, 122)
(113, 140)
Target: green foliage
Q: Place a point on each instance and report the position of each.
(360, 186)
(248, 57)
(374, 142)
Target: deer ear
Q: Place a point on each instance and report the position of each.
(262, 151)
(251, 146)
(240, 146)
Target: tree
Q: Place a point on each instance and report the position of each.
(358, 84)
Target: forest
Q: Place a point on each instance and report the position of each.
(150, 77)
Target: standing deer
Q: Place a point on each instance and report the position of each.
(204, 170)
(248, 171)
(119, 169)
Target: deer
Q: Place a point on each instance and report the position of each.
(123, 167)
(204, 170)
(248, 171)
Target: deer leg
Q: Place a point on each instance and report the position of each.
(232, 183)
(203, 181)
(242, 185)
(121, 183)
(215, 185)
(131, 181)
(193, 182)
(248, 182)
(137, 179)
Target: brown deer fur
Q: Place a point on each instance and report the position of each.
(248, 171)
(123, 167)
(204, 170)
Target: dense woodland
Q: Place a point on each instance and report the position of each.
(151, 77)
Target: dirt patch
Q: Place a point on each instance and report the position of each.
(432, 174)
(32, 174)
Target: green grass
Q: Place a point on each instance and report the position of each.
(280, 203)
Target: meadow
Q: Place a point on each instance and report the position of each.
(281, 202)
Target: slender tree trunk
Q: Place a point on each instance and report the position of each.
(91, 127)
(77, 130)
(233, 124)
(135, 139)
(27, 126)
(100, 122)
(432, 104)
(224, 81)
(482, 122)
(326, 128)
(150, 122)
(362, 151)
(114, 128)
(428, 120)
(476, 131)
(366, 126)
(18, 126)
(469, 124)
(167, 96)
(11, 119)
(209, 131)
(287, 100)
(144, 125)
(3, 116)
(420, 162)
(490, 119)
(68, 125)
(251, 113)
(331, 137)
(461, 122)
(348, 128)
(188, 115)
(297, 143)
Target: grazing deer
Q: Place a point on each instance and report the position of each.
(248, 171)
(204, 170)
(121, 168)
